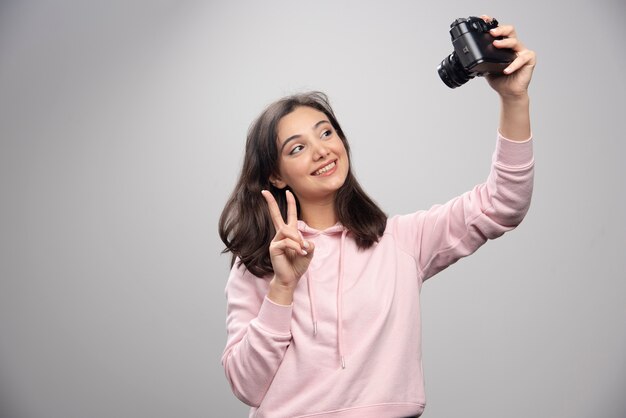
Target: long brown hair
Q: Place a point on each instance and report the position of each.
(245, 225)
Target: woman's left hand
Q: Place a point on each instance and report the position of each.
(516, 78)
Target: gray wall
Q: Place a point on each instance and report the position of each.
(122, 127)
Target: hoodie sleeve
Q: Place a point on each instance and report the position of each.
(259, 332)
(440, 236)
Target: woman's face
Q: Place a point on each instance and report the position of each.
(312, 159)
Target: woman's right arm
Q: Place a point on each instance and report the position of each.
(259, 332)
(260, 310)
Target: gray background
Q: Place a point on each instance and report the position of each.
(122, 127)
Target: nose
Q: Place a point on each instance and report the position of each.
(320, 151)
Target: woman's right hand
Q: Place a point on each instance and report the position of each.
(290, 254)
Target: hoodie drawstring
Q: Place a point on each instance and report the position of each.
(309, 282)
(340, 302)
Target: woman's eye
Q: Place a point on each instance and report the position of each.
(296, 149)
(327, 133)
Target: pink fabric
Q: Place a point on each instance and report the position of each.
(278, 365)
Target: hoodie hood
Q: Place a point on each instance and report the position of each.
(307, 230)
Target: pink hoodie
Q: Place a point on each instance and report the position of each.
(350, 344)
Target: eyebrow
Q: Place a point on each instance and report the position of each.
(298, 135)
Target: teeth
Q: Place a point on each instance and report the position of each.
(325, 169)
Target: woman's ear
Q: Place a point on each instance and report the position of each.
(277, 182)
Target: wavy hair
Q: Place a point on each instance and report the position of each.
(245, 225)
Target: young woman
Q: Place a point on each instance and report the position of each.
(323, 296)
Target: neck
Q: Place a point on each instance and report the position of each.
(319, 215)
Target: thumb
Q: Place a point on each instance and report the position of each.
(310, 249)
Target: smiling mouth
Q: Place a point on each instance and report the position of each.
(325, 169)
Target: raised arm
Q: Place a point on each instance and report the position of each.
(512, 87)
(445, 233)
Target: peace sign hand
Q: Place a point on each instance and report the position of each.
(290, 254)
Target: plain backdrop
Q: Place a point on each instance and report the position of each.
(122, 126)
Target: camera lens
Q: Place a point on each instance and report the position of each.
(452, 72)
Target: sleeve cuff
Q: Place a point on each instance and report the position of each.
(514, 153)
(275, 318)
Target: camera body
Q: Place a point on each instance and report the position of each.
(474, 53)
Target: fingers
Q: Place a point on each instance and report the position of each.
(508, 31)
(292, 210)
(284, 245)
(505, 31)
(288, 230)
(277, 218)
(510, 40)
(512, 43)
(525, 57)
(285, 241)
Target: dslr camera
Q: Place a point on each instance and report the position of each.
(474, 53)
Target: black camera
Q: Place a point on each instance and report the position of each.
(474, 53)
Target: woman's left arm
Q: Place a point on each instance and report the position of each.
(512, 86)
